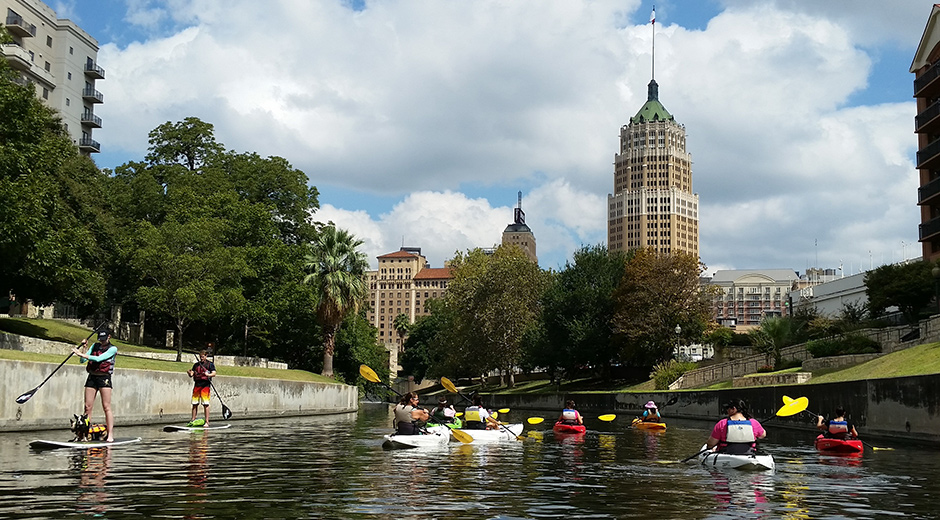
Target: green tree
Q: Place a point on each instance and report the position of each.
(336, 269)
(658, 292)
(909, 287)
(356, 345)
(495, 299)
(774, 334)
(425, 348)
(719, 338)
(401, 324)
(190, 143)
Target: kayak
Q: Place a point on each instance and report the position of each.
(711, 459)
(561, 427)
(454, 425)
(646, 425)
(48, 445)
(435, 436)
(500, 435)
(174, 428)
(838, 445)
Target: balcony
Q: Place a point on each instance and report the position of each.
(928, 156)
(929, 229)
(928, 191)
(928, 121)
(90, 94)
(927, 85)
(87, 144)
(17, 26)
(91, 120)
(16, 56)
(94, 71)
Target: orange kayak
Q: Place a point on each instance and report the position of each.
(647, 425)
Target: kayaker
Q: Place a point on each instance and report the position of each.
(651, 413)
(476, 417)
(569, 415)
(837, 428)
(409, 419)
(736, 434)
(443, 413)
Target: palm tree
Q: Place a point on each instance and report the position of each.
(337, 270)
(402, 325)
(774, 334)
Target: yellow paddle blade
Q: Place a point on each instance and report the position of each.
(446, 383)
(793, 406)
(535, 420)
(369, 374)
(459, 414)
(462, 436)
(494, 415)
(608, 417)
(876, 448)
(787, 399)
(503, 410)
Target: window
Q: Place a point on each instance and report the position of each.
(71, 50)
(48, 41)
(45, 93)
(70, 75)
(67, 102)
(48, 66)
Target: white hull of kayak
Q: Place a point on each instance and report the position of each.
(436, 436)
(710, 459)
(500, 435)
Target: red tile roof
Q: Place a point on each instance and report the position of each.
(400, 254)
(434, 273)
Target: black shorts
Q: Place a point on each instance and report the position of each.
(98, 381)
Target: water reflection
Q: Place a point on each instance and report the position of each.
(743, 493)
(93, 466)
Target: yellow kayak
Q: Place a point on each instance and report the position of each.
(646, 425)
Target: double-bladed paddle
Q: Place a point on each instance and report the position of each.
(606, 418)
(372, 377)
(27, 395)
(450, 387)
(226, 413)
(789, 401)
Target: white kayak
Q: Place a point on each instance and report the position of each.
(435, 436)
(711, 459)
(508, 432)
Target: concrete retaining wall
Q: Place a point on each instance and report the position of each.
(793, 378)
(151, 397)
(895, 409)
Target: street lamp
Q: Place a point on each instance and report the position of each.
(679, 331)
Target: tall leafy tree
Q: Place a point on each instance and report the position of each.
(336, 269)
(774, 334)
(189, 142)
(657, 292)
(909, 287)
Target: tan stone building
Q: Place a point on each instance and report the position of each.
(519, 234)
(748, 296)
(653, 204)
(926, 70)
(402, 284)
(60, 60)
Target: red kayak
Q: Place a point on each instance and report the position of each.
(561, 427)
(838, 445)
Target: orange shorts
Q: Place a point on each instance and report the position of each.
(201, 395)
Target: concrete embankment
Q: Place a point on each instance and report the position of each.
(152, 397)
(895, 409)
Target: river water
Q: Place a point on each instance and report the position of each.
(335, 467)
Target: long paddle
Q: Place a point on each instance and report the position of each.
(790, 407)
(26, 396)
(606, 418)
(450, 387)
(372, 377)
(226, 413)
(789, 401)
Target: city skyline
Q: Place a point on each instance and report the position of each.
(420, 122)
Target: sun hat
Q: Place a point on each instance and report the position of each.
(650, 404)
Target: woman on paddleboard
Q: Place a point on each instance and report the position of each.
(837, 428)
(409, 419)
(100, 357)
(569, 415)
(202, 374)
(738, 433)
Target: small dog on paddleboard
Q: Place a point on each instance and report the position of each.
(85, 431)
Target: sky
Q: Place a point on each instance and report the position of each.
(419, 121)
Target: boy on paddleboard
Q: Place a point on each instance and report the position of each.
(202, 374)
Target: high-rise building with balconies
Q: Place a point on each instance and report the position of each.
(60, 60)
(926, 70)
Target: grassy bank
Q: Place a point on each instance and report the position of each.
(73, 334)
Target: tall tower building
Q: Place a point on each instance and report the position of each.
(926, 68)
(653, 204)
(60, 60)
(519, 234)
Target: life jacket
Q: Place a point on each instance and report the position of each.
(106, 365)
(839, 429)
(200, 370)
(443, 415)
(739, 437)
(569, 416)
(474, 419)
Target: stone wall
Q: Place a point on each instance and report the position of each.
(793, 378)
(816, 364)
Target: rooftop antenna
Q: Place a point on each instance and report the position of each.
(653, 23)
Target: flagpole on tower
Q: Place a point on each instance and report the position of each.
(653, 22)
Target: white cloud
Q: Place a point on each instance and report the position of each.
(419, 100)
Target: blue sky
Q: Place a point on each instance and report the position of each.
(419, 121)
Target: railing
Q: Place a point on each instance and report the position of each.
(90, 93)
(929, 229)
(927, 153)
(91, 119)
(925, 79)
(88, 142)
(94, 70)
(18, 26)
(928, 115)
(927, 191)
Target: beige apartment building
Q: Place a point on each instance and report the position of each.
(519, 234)
(60, 60)
(748, 296)
(653, 205)
(402, 284)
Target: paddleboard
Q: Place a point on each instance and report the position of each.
(49, 445)
(173, 428)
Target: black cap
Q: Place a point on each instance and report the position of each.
(103, 335)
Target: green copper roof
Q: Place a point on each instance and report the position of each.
(652, 110)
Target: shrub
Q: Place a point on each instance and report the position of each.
(765, 368)
(790, 363)
(667, 372)
(848, 344)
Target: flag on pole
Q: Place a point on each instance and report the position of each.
(653, 16)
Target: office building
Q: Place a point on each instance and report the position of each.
(519, 234)
(748, 296)
(60, 60)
